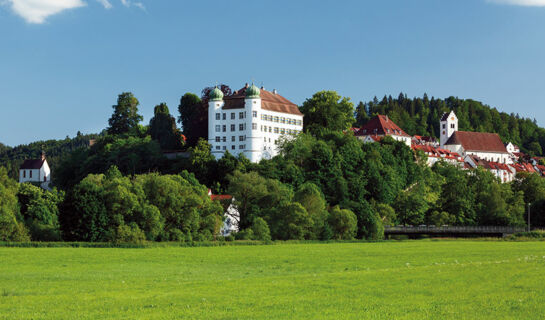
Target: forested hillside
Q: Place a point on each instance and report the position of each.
(420, 116)
(12, 157)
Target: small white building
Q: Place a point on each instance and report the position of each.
(512, 148)
(486, 146)
(232, 216)
(35, 170)
(251, 121)
(379, 127)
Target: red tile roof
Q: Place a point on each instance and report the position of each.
(437, 152)
(380, 125)
(269, 101)
(220, 197)
(477, 141)
(32, 164)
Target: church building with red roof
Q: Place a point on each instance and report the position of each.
(487, 146)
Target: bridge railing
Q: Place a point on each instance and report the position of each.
(453, 229)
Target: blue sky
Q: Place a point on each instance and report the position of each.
(63, 62)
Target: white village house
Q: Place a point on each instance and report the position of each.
(379, 127)
(35, 170)
(251, 121)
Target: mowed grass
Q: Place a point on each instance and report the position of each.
(387, 280)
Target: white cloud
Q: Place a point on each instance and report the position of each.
(526, 3)
(129, 3)
(105, 3)
(37, 11)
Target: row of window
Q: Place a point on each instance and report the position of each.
(30, 175)
(278, 119)
(233, 147)
(452, 126)
(233, 139)
(241, 127)
(279, 130)
(393, 131)
(241, 115)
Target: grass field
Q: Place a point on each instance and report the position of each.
(388, 280)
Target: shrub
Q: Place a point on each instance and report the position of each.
(261, 230)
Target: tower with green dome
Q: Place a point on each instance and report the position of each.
(253, 92)
(215, 95)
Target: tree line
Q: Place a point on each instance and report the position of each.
(325, 184)
(420, 116)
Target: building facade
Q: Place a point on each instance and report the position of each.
(36, 171)
(251, 121)
(486, 146)
(379, 127)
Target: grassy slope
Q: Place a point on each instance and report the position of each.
(391, 280)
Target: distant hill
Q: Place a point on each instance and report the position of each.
(420, 116)
(13, 157)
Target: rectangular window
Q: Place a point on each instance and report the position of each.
(224, 148)
(254, 114)
(270, 118)
(30, 173)
(275, 129)
(241, 115)
(224, 116)
(241, 127)
(217, 116)
(254, 126)
(224, 127)
(240, 138)
(299, 122)
(218, 128)
(233, 138)
(233, 147)
(232, 116)
(444, 126)
(282, 130)
(24, 173)
(218, 147)
(452, 125)
(275, 119)
(261, 128)
(232, 127)
(282, 120)
(224, 139)
(270, 129)
(265, 139)
(242, 146)
(217, 139)
(263, 117)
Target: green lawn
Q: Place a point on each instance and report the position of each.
(389, 280)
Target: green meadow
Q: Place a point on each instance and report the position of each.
(385, 280)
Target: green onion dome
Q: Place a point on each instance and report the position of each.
(216, 95)
(253, 92)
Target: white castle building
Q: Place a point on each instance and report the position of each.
(251, 121)
(486, 146)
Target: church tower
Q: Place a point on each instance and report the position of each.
(449, 125)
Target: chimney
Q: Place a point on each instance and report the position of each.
(262, 88)
(274, 91)
(43, 155)
(386, 118)
(246, 85)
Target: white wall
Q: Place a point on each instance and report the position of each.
(257, 143)
(38, 175)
